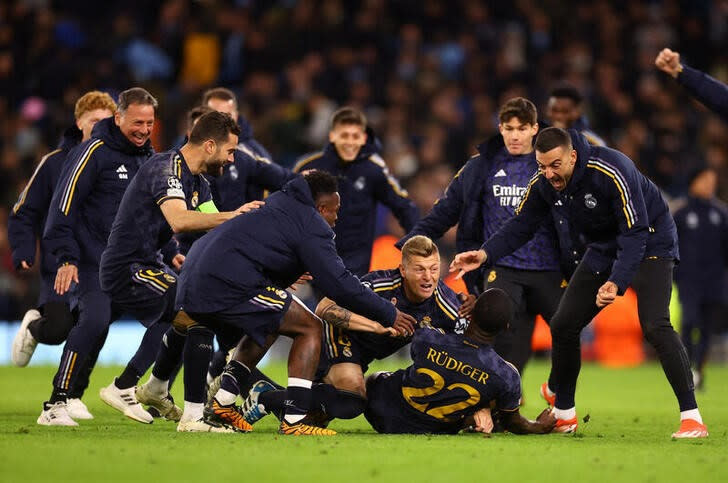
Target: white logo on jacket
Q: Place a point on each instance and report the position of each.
(122, 172)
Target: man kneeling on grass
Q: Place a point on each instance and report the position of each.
(452, 377)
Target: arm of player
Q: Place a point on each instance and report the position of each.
(709, 91)
(445, 212)
(517, 424)
(182, 220)
(341, 318)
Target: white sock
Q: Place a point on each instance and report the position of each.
(192, 411)
(157, 386)
(691, 414)
(564, 414)
(549, 392)
(297, 382)
(225, 397)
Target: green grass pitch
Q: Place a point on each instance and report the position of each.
(631, 416)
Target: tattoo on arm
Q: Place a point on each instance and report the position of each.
(337, 316)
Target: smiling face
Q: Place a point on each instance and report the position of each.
(348, 140)
(420, 276)
(518, 136)
(136, 123)
(328, 206)
(221, 154)
(557, 165)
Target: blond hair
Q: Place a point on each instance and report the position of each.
(418, 246)
(93, 100)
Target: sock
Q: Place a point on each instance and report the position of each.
(298, 399)
(128, 378)
(691, 414)
(157, 385)
(565, 414)
(549, 392)
(192, 411)
(235, 376)
(197, 354)
(57, 395)
(169, 355)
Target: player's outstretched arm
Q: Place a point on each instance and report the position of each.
(341, 318)
(182, 220)
(467, 262)
(517, 424)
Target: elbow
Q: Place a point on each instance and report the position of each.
(177, 227)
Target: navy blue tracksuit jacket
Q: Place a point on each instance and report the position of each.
(89, 193)
(709, 91)
(28, 218)
(272, 246)
(482, 196)
(610, 206)
(363, 183)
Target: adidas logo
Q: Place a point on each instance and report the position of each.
(500, 173)
(558, 203)
(122, 172)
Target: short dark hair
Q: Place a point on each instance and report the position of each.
(136, 95)
(349, 115)
(213, 125)
(493, 311)
(550, 138)
(321, 183)
(520, 108)
(568, 91)
(219, 93)
(195, 113)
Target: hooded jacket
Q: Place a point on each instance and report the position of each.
(462, 203)
(28, 218)
(608, 205)
(363, 183)
(271, 247)
(89, 193)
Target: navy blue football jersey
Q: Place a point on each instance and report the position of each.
(140, 229)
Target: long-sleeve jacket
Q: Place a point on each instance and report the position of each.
(89, 193)
(271, 247)
(709, 91)
(617, 212)
(363, 183)
(481, 197)
(26, 222)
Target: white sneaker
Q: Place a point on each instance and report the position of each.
(125, 400)
(77, 409)
(55, 415)
(24, 343)
(164, 404)
(201, 426)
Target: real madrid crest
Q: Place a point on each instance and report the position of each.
(589, 201)
(426, 321)
(346, 351)
(491, 276)
(195, 199)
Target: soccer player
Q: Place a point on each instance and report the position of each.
(252, 172)
(702, 229)
(480, 199)
(352, 156)
(51, 322)
(233, 279)
(709, 91)
(631, 240)
(451, 377)
(168, 195)
(565, 109)
(79, 222)
(351, 342)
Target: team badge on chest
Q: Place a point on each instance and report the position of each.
(589, 201)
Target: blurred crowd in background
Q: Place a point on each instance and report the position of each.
(429, 74)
